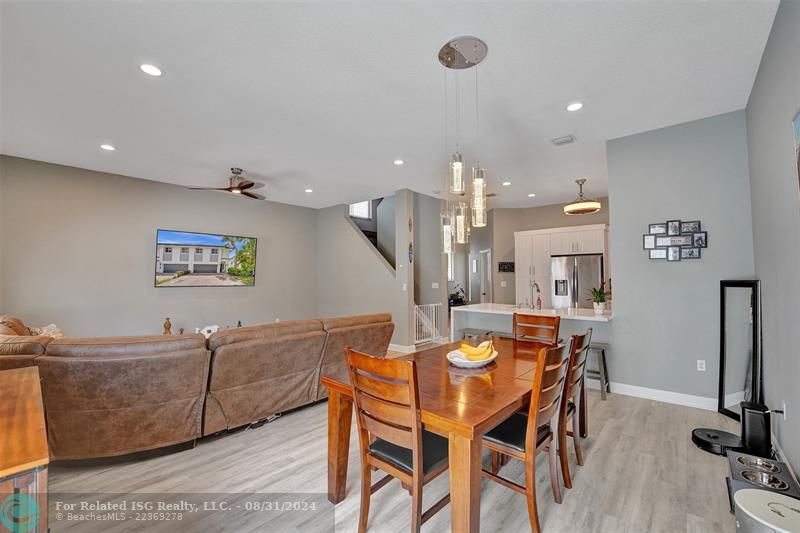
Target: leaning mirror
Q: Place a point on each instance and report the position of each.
(740, 358)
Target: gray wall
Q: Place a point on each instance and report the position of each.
(460, 278)
(507, 221)
(353, 277)
(79, 251)
(429, 261)
(776, 217)
(479, 239)
(666, 315)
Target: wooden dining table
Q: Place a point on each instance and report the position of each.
(456, 403)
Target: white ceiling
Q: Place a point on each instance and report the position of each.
(326, 95)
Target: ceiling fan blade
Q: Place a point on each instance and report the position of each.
(253, 195)
(257, 185)
(246, 184)
(210, 188)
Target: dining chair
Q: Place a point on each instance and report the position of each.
(578, 351)
(542, 330)
(523, 435)
(390, 432)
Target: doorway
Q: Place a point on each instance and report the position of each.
(485, 276)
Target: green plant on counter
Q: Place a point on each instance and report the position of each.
(600, 295)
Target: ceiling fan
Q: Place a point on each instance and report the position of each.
(238, 185)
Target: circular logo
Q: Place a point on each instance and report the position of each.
(19, 513)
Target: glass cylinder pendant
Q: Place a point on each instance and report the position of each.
(456, 172)
(447, 234)
(478, 197)
(460, 223)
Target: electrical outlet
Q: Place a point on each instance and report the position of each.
(504, 284)
(434, 285)
(701, 365)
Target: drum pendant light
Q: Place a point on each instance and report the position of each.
(582, 205)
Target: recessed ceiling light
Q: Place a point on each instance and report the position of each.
(575, 106)
(506, 183)
(531, 195)
(398, 162)
(309, 191)
(152, 70)
(107, 147)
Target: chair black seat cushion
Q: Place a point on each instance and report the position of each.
(434, 452)
(511, 432)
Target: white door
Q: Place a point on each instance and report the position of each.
(485, 273)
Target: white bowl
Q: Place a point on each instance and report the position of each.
(457, 358)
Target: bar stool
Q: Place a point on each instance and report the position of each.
(602, 369)
(471, 333)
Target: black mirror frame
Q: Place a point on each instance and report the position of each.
(755, 367)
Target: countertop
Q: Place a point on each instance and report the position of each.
(508, 309)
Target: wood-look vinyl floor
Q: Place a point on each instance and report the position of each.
(641, 474)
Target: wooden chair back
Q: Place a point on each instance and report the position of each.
(386, 398)
(536, 328)
(578, 352)
(549, 377)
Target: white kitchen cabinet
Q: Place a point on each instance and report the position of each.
(562, 243)
(523, 253)
(541, 268)
(577, 242)
(533, 250)
(590, 242)
(531, 264)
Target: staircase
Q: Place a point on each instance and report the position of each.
(378, 227)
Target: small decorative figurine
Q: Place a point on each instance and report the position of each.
(180, 331)
(239, 324)
(167, 327)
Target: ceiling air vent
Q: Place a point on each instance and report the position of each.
(561, 141)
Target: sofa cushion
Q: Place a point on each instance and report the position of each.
(23, 345)
(117, 346)
(122, 403)
(262, 331)
(369, 334)
(254, 379)
(15, 324)
(359, 320)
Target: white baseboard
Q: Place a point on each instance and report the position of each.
(677, 398)
(733, 400)
(402, 348)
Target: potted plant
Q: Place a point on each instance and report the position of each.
(599, 297)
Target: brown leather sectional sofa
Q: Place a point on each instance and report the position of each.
(117, 395)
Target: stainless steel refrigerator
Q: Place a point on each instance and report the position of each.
(572, 276)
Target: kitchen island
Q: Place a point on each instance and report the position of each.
(498, 318)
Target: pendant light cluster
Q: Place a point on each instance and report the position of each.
(465, 206)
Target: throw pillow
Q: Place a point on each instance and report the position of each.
(51, 330)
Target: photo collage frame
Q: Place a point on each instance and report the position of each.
(675, 240)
